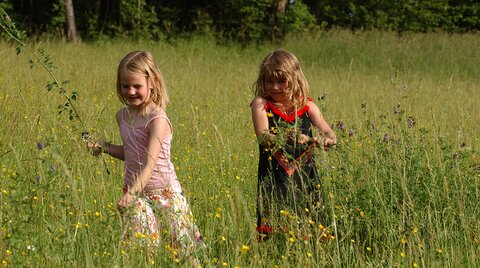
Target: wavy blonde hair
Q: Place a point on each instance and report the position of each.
(281, 65)
(143, 63)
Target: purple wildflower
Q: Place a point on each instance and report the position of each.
(52, 168)
(340, 125)
(386, 138)
(395, 110)
(38, 178)
(40, 145)
(351, 132)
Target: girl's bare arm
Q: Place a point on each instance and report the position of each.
(321, 125)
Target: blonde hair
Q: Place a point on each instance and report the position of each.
(143, 63)
(281, 65)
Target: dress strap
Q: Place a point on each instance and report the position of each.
(269, 106)
(159, 116)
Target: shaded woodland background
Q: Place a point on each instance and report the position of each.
(242, 21)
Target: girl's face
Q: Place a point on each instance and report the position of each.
(276, 89)
(135, 89)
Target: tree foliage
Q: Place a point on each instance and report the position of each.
(241, 20)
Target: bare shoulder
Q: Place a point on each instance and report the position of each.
(314, 110)
(258, 103)
(158, 121)
(313, 106)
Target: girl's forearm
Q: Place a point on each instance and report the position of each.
(115, 151)
(140, 182)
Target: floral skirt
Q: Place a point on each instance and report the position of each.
(162, 217)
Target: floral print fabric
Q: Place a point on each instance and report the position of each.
(163, 216)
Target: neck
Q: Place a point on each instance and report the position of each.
(287, 108)
(144, 109)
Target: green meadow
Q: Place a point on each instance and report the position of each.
(400, 190)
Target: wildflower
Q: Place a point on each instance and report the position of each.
(385, 138)
(291, 240)
(38, 178)
(410, 122)
(323, 97)
(340, 125)
(222, 238)
(140, 235)
(97, 214)
(369, 249)
(439, 250)
(284, 212)
(40, 145)
(224, 264)
(351, 132)
(53, 168)
(309, 254)
(415, 265)
(244, 249)
(402, 254)
(395, 110)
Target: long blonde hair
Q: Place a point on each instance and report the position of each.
(143, 63)
(282, 65)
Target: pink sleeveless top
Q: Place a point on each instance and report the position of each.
(135, 145)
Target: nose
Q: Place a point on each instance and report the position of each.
(131, 91)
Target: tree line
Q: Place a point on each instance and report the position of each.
(238, 20)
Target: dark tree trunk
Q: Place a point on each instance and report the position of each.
(70, 17)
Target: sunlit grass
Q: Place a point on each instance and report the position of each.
(401, 189)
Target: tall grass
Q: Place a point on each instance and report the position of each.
(401, 189)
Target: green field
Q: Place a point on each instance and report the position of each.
(400, 190)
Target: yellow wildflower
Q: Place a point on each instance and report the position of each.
(244, 249)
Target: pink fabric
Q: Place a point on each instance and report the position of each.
(135, 142)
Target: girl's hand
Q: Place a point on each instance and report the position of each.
(95, 148)
(303, 139)
(329, 143)
(98, 147)
(125, 201)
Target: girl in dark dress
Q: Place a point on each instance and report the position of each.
(288, 125)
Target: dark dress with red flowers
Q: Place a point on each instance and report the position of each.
(287, 173)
